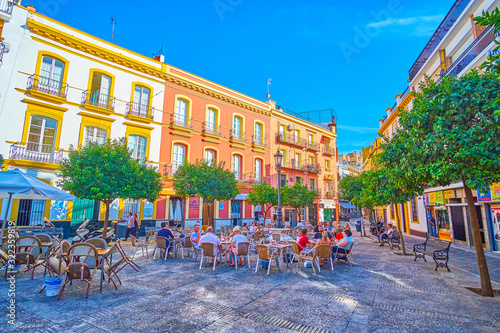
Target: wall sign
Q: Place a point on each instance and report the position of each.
(221, 205)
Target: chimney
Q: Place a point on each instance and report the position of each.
(272, 103)
(333, 125)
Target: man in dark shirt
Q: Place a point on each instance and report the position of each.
(165, 232)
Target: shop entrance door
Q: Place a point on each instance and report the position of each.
(481, 225)
(458, 221)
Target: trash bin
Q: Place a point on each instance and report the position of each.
(52, 286)
(358, 226)
(121, 229)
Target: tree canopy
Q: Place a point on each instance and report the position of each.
(298, 196)
(264, 195)
(204, 180)
(450, 135)
(106, 172)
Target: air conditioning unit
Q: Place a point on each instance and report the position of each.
(291, 127)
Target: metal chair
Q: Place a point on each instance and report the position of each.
(324, 252)
(161, 244)
(137, 244)
(28, 250)
(348, 254)
(263, 254)
(98, 243)
(312, 257)
(207, 251)
(276, 237)
(244, 251)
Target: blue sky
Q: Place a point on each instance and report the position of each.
(352, 56)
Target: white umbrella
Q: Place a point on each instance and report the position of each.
(170, 211)
(178, 211)
(15, 184)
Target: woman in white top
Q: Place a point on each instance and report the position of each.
(233, 247)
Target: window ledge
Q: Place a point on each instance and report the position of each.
(47, 97)
(98, 109)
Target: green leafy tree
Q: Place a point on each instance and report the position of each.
(205, 180)
(108, 172)
(452, 135)
(1, 162)
(298, 196)
(264, 195)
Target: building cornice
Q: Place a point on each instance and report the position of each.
(81, 45)
(404, 103)
(284, 116)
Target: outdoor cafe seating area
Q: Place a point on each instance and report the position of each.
(93, 261)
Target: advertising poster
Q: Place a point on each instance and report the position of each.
(439, 197)
(448, 194)
(432, 198)
(483, 197)
(426, 199)
(495, 219)
(495, 192)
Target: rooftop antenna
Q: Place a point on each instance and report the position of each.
(113, 22)
(268, 93)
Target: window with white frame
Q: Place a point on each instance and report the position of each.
(297, 137)
(51, 74)
(237, 127)
(210, 126)
(258, 170)
(237, 166)
(94, 134)
(141, 101)
(137, 144)
(258, 133)
(179, 156)
(210, 156)
(181, 112)
(131, 206)
(42, 134)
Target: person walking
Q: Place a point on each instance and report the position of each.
(136, 226)
(130, 226)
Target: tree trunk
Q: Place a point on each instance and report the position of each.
(398, 223)
(106, 217)
(484, 273)
(376, 223)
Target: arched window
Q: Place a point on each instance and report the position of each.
(258, 171)
(237, 127)
(211, 120)
(51, 75)
(210, 156)
(94, 134)
(258, 133)
(42, 134)
(179, 156)
(142, 96)
(137, 144)
(181, 112)
(100, 90)
(237, 166)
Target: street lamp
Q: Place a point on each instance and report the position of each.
(278, 159)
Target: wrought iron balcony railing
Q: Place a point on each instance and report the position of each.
(313, 168)
(48, 86)
(259, 141)
(96, 98)
(139, 110)
(447, 23)
(327, 150)
(329, 194)
(36, 153)
(291, 140)
(211, 128)
(474, 50)
(6, 6)
(181, 121)
(313, 146)
(237, 135)
(319, 193)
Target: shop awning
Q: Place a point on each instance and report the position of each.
(347, 205)
(241, 196)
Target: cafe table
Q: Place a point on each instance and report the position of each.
(280, 248)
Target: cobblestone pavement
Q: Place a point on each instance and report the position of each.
(382, 292)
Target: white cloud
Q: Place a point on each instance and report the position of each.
(405, 21)
(358, 129)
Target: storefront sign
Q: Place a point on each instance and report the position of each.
(328, 203)
(439, 197)
(483, 197)
(495, 192)
(221, 205)
(426, 199)
(432, 198)
(448, 194)
(495, 219)
(445, 235)
(194, 204)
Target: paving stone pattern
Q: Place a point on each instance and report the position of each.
(382, 292)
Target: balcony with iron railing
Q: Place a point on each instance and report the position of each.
(144, 111)
(236, 135)
(312, 168)
(447, 23)
(41, 84)
(329, 194)
(6, 7)
(313, 146)
(481, 43)
(35, 153)
(98, 99)
(260, 142)
(209, 128)
(4, 48)
(291, 140)
(319, 193)
(327, 150)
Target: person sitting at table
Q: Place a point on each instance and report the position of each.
(195, 236)
(347, 226)
(253, 227)
(328, 227)
(344, 244)
(300, 224)
(386, 234)
(165, 232)
(245, 226)
(338, 233)
(303, 242)
(325, 240)
(209, 237)
(318, 232)
(233, 247)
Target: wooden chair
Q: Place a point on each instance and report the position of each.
(161, 244)
(312, 257)
(207, 251)
(263, 254)
(243, 250)
(348, 254)
(324, 252)
(188, 242)
(98, 243)
(276, 237)
(28, 250)
(82, 265)
(296, 252)
(137, 244)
